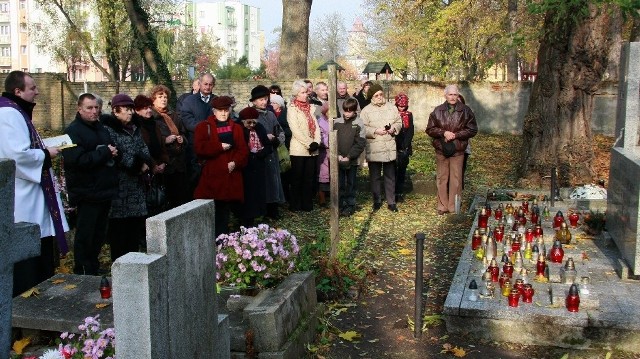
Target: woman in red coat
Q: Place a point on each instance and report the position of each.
(222, 151)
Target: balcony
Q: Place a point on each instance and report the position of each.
(5, 60)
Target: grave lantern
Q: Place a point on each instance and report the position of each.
(473, 290)
(573, 299)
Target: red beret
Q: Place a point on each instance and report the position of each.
(249, 113)
(222, 102)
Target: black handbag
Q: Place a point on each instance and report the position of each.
(156, 196)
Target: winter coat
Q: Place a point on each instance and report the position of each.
(282, 120)
(363, 101)
(380, 148)
(300, 137)
(462, 122)
(350, 142)
(275, 193)
(405, 137)
(254, 175)
(216, 182)
(153, 139)
(132, 154)
(324, 172)
(90, 169)
(175, 150)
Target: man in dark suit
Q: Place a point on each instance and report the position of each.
(195, 109)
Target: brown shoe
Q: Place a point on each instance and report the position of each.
(440, 213)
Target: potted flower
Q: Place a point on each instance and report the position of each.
(92, 342)
(256, 257)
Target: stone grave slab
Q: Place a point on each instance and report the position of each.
(624, 187)
(63, 303)
(608, 315)
(17, 242)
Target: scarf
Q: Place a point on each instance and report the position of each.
(405, 118)
(167, 120)
(47, 180)
(254, 142)
(305, 107)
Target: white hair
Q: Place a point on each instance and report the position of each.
(297, 86)
(275, 98)
(450, 89)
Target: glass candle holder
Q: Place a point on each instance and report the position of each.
(527, 293)
(573, 299)
(514, 297)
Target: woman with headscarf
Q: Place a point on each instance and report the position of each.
(174, 140)
(305, 138)
(129, 209)
(221, 149)
(403, 144)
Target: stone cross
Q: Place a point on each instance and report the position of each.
(18, 242)
(164, 301)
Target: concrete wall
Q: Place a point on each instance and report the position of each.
(499, 107)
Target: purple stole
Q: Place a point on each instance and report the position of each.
(46, 181)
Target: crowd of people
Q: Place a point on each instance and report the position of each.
(204, 149)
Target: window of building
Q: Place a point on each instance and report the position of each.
(23, 27)
(5, 51)
(23, 4)
(24, 69)
(23, 49)
(4, 7)
(202, 14)
(6, 71)
(4, 30)
(38, 69)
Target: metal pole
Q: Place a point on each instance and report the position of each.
(419, 279)
(553, 186)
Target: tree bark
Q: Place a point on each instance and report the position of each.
(635, 29)
(148, 46)
(512, 56)
(108, 22)
(294, 42)
(557, 126)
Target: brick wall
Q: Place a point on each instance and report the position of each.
(499, 107)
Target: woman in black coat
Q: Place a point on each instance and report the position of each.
(255, 196)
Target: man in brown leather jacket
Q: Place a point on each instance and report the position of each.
(450, 125)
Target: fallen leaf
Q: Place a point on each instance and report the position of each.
(70, 286)
(57, 281)
(565, 356)
(458, 352)
(30, 293)
(585, 256)
(19, 345)
(102, 305)
(379, 291)
(373, 340)
(608, 356)
(405, 251)
(349, 335)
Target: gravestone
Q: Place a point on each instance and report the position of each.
(164, 300)
(623, 197)
(17, 242)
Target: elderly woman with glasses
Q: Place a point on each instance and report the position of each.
(129, 209)
(222, 151)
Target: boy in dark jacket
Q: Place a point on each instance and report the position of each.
(350, 146)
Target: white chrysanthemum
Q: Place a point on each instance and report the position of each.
(52, 354)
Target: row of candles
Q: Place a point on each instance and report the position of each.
(485, 245)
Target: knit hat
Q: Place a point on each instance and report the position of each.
(375, 87)
(221, 102)
(142, 101)
(402, 100)
(121, 100)
(259, 92)
(275, 98)
(248, 113)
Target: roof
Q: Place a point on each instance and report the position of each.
(377, 68)
(325, 66)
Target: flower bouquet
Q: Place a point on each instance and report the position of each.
(90, 343)
(255, 257)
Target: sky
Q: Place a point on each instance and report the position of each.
(271, 13)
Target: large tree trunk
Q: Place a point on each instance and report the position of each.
(557, 127)
(294, 42)
(512, 56)
(148, 46)
(106, 13)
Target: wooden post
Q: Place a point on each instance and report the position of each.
(333, 165)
